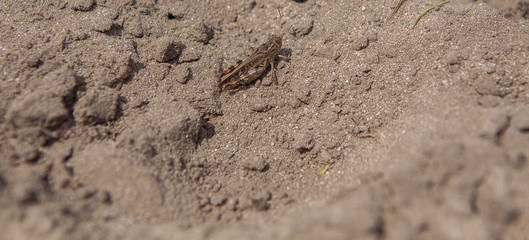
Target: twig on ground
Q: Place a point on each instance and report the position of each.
(427, 10)
(399, 4)
(327, 165)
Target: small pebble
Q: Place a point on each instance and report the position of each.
(255, 164)
(303, 142)
(259, 107)
(453, 59)
(177, 12)
(294, 102)
(33, 61)
(360, 42)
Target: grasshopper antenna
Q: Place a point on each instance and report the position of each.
(281, 32)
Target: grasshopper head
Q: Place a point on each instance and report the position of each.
(278, 40)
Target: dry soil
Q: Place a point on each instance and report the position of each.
(112, 125)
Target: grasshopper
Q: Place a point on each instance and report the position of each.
(251, 68)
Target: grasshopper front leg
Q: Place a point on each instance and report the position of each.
(274, 66)
(274, 75)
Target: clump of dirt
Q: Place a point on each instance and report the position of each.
(113, 125)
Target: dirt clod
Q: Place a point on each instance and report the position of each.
(260, 201)
(302, 27)
(202, 33)
(82, 5)
(303, 142)
(181, 74)
(102, 21)
(165, 49)
(190, 53)
(133, 26)
(37, 109)
(25, 151)
(97, 106)
(488, 86)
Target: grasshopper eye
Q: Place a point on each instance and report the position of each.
(278, 40)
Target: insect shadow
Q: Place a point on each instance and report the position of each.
(207, 131)
(285, 54)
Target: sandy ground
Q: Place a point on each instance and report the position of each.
(113, 126)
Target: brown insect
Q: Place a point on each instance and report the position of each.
(251, 68)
